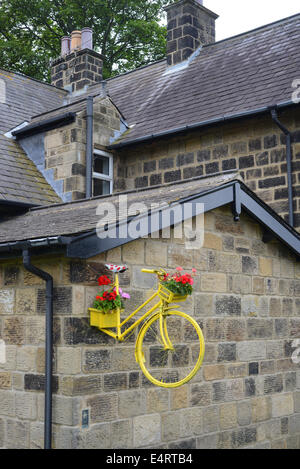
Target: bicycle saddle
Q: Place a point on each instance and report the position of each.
(118, 269)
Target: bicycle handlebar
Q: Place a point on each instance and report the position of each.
(160, 273)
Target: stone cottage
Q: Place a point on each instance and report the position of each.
(215, 123)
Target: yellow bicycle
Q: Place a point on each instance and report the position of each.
(170, 345)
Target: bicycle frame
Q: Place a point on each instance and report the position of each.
(161, 306)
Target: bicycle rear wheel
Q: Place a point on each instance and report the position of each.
(175, 365)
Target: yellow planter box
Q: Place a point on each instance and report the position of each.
(104, 320)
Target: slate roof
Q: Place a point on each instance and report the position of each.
(74, 224)
(242, 73)
(247, 72)
(19, 178)
(78, 217)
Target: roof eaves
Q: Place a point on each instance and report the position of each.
(45, 125)
(206, 123)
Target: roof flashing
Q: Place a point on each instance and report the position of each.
(183, 65)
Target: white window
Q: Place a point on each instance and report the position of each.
(102, 173)
(2, 91)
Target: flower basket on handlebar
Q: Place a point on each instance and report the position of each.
(169, 296)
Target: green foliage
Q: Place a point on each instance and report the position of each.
(127, 32)
(107, 306)
(178, 288)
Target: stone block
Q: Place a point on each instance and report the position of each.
(158, 400)
(244, 413)
(228, 416)
(132, 403)
(212, 241)
(228, 305)
(273, 384)
(146, 430)
(17, 434)
(26, 301)
(5, 380)
(14, 331)
(26, 406)
(214, 282)
(213, 372)
(236, 330)
(226, 352)
(26, 359)
(297, 401)
(97, 360)
(170, 424)
(250, 351)
(260, 328)
(203, 304)
(35, 330)
(191, 422)
(68, 360)
(282, 405)
(210, 419)
(115, 382)
(265, 267)
(261, 409)
(7, 403)
(121, 434)
(200, 395)
(134, 252)
(98, 436)
(103, 407)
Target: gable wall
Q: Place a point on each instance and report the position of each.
(247, 393)
(256, 147)
(65, 148)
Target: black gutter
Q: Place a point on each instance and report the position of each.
(198, 125)
(10, 203)
(43, 126)
(289, 157)
(49, 344)
(11, 207)
(89, 146)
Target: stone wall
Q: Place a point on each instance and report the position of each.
(65, 148)
(247, 393)
(189, 25)
(77, 70)
(254, 147)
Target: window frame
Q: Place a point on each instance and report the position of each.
(101, 176)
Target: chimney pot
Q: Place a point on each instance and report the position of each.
(75, 40)
(87, 38)
(65, 45)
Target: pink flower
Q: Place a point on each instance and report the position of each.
(180, 269)
(123, 294)
(194, 271)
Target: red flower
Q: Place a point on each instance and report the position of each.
(104, 280)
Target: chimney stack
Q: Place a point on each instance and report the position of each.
(79, 65)
(190, 25)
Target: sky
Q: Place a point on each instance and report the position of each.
(239, 16)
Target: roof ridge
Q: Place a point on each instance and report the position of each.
(134, 70)
(265, 26)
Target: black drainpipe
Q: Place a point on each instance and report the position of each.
(289, 163)
(89, 147)
(49, 344)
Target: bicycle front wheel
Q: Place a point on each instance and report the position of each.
(170, 349)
